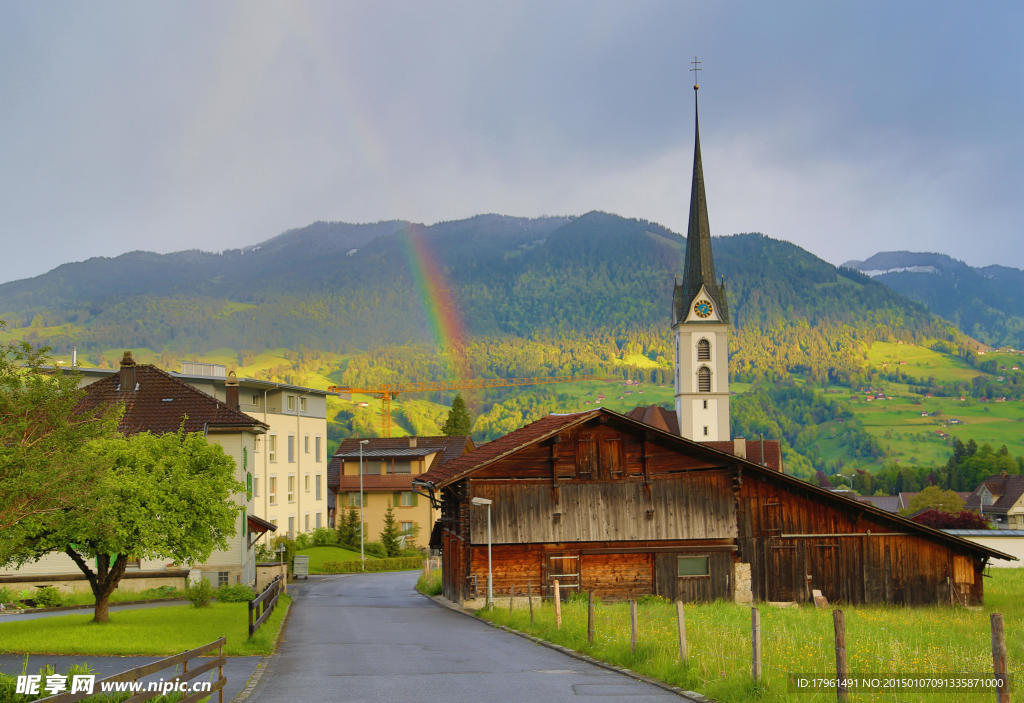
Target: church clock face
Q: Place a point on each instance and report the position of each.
(703, 308)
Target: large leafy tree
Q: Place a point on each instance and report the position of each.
(458, 423)
(43, 470)
(164, 496)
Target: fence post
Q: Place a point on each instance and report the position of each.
(529, 598)
(220, 671)
(250, 619)
(633, 634)
(682, 631)
(511, 597)
(558, 607)
(839, 620)
(590, 617)
(999, 658)
(755, 639)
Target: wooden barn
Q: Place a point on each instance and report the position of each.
(608, 504)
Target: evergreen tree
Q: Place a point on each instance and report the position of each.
(458, 423)
(348, 530)
(389, 536)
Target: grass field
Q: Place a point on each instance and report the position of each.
(319, 555)
(879, 640)
(168, 630)
(919, 362)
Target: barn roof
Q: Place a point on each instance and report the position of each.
(551, 425)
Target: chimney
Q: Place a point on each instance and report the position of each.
(231, 390)
(127, 373)
(412, 443)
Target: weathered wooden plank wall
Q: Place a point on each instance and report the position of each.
(698, 505)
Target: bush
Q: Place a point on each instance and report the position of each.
(7, 595)
(238, 593)
(200, 593)
(354, 567)
(160, 592)
(375, 549)
(324, 537)
(303, 541)
(48, 597)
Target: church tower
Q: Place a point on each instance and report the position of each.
(700, 321)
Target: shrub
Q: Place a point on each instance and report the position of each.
(355, 566)
(200, 593)
(238, 593)
(324, 537)
(160, 592)
(303, 541)
(7, 595)
(375, 549)
(48, 597)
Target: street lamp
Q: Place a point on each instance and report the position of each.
(362, 551)
(490, 574)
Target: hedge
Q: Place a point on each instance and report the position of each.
(351, 567)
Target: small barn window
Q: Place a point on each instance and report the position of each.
(703, 350)
(704, 380)
(692, 566)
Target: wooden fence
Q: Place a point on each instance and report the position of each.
(186, 675)
(262, 605)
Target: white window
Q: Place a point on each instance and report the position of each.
(291, 526)
(317, 481)
(406, 528)
(306, 482)
(272, 448)
(353, 500)
(272, 490)
(302, 404)
(291, 449)
(407, 499)
(306, 528)
(317, 444)
(255, 485)
(291, 488)
(318, 521)
(305, 444)
(255, 398)
(291, 402)
(222, 578)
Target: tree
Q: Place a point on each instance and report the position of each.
(459, 423)
(158, 497)
(389, 536)
(937, 498)
(43, 469)
(964, 520)
(348, 530)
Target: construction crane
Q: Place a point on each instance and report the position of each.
(387, 391)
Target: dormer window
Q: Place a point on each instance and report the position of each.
(703, 350)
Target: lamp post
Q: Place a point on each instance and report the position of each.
(362, 552)
(490, 573)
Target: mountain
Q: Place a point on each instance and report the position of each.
(986, 303)
(340, 287)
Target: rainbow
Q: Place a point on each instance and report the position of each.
(438, 304)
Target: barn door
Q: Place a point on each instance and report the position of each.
(564, 567)
(696, 576)
(783, 581)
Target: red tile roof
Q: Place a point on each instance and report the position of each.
(656, 416)
(159, 402)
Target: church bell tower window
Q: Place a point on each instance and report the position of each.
(703, 350)
(704, 380)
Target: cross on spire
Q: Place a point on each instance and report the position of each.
(696, 63)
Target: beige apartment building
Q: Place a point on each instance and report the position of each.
(389, 465)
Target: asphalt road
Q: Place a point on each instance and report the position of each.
(371, 637)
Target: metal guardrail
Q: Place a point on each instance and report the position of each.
(186, 675)
(262, 605)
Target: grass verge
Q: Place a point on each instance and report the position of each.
(430, 585)
(318, 556)
(880, 640)
(169, 630)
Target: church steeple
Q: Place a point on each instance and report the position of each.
(699, 265)
(700, 322)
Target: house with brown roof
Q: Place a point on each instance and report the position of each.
(1001, 498)
(605, 503)
(390, 465)
(155, 401)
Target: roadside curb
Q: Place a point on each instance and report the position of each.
(257, 675)
(691, 696)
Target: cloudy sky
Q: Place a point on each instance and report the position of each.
(845, 128)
